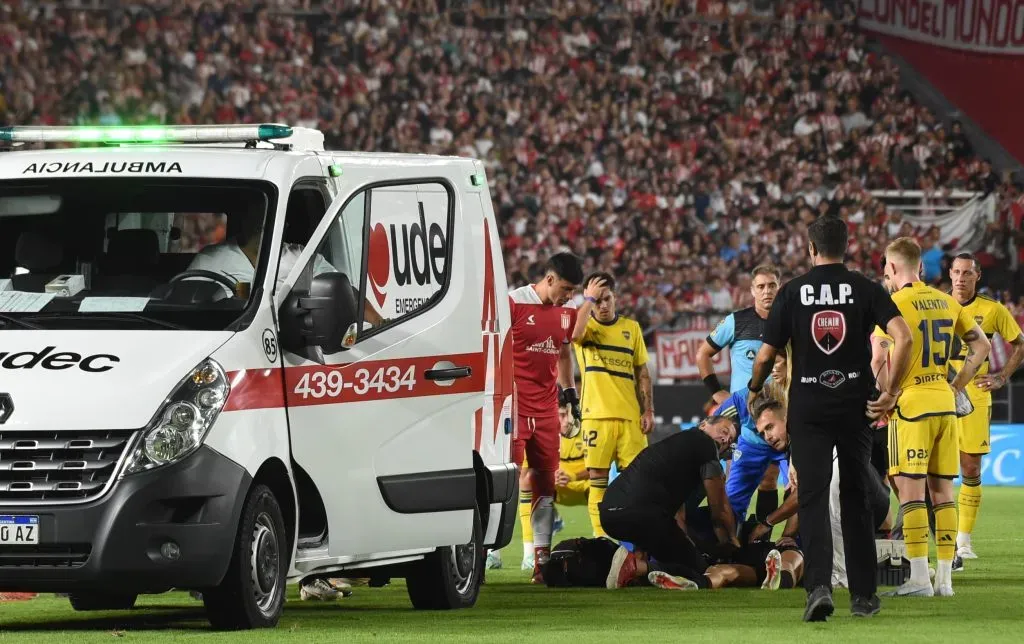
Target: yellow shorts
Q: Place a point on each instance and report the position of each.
(609, 439)
(974, 431)
(927, 446)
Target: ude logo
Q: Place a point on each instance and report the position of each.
(410, 255)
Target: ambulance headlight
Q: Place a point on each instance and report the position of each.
(184, 419)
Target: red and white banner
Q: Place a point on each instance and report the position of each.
(986, 26)
(677, 354)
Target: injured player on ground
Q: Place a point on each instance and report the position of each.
(763, 563)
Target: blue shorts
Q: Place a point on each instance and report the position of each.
(749, 462)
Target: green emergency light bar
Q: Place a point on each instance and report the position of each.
(146, 134)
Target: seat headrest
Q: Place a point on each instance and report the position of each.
(134, 248)
(37, 253)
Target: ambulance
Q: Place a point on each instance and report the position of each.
(231, 360)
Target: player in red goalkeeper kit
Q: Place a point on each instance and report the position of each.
(542, 327)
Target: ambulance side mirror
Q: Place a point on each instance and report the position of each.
(319, 317)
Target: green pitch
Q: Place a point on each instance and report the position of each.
(989, 607)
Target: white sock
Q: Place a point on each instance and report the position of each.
(527, 549)
(543, 519)
(919, 571)
(963, 539)
(944, 573)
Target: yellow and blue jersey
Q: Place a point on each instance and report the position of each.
(934, 318)
(993, 318)
(608, 355)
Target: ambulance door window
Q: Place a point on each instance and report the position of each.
(306, 207)
(408, 251)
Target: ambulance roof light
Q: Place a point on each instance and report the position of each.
(146, 134)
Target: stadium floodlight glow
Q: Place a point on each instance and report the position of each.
(146, 134)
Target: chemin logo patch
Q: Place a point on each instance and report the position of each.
(113, 167)
(831, 378)
(828, 328)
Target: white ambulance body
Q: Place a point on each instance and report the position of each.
(231, 359)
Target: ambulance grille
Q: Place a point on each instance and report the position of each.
(45, 556)
(59, 466)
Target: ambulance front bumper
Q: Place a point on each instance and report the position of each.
(173, 527)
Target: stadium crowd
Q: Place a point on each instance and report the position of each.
(682, 143)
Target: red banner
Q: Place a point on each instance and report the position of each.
(677, 354)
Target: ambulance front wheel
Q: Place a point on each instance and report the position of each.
(450, 577)
(252, 593)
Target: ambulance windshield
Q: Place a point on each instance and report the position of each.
(131, 253)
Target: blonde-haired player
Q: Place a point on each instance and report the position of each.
(993, 318)
(617, 397)
(923, 450)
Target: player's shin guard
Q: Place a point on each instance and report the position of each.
(598, 486)
(543, 513)
(970, 501)
(945, 528)
(915, 536)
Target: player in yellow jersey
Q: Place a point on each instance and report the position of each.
(993, 318)
(923, 449)
(572, 484)
(616, 397)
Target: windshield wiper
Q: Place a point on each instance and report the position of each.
(135, 317)
(10, 319)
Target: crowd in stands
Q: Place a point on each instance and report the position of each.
(679, 142)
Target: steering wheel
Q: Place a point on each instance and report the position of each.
(222, 279)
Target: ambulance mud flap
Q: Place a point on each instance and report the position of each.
(429, 491)
(504, 486)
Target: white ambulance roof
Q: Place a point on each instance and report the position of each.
(197, 161)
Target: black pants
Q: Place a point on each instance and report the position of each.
(655, 531)
(812, 443)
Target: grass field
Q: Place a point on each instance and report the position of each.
(989, 607)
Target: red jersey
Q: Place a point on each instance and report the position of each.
(538, 333)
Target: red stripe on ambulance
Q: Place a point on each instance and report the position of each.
(255, 389)
(362, 381)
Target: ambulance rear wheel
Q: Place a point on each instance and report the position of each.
(450, 577)
(253, 590)
(102, 601)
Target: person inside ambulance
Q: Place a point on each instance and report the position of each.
(238, 256)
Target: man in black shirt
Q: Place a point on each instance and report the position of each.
(643, 505)
(824, 319)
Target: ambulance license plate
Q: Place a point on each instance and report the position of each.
(19, 530)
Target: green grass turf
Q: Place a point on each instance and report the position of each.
(989, 607)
